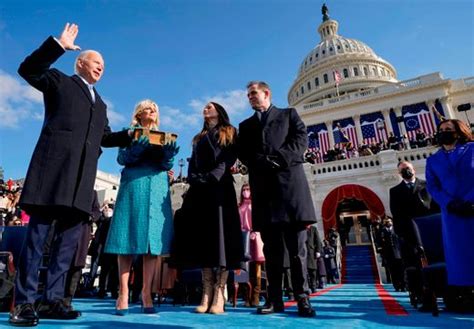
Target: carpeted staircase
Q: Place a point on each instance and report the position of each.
(358, 261)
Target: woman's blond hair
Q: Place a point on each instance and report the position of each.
(139, 108)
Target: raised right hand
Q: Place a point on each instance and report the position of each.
(68, 36)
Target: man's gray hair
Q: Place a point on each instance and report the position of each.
(82, 55)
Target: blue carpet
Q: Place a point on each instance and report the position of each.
(349, 306)
(358, 261)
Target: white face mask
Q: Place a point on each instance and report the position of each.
(246, 194)
(108, 213)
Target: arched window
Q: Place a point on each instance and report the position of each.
(366, 72)
(325, 77)
(346, 73)
(356, 71)
(309, 85)
(316, 82)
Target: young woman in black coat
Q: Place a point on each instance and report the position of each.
(212, 239)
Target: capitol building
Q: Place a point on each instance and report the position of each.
(344, 89)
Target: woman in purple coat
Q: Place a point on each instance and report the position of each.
(450, 180)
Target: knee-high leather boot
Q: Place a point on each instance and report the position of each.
(207, 290)
(257, 286)
(217, 306)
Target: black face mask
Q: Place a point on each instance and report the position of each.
(446, 137)
(407, 173)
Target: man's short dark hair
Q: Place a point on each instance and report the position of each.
(260, 84)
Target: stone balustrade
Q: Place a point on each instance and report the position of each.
(371, 164)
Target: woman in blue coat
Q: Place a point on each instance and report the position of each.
(142, 222)
(450, 180)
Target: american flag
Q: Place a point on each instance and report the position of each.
(318, 137)
(337, 77)
(345, 134)
(370, 129)
(420, 120)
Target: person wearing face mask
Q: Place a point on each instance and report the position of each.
(255, 245)
(450, 180)
(409, 199)
(392, 254)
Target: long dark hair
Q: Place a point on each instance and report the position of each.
(226, 131)
(462, 129)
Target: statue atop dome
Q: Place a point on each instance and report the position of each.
(325, 11)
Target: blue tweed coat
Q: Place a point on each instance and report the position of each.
(143, 221)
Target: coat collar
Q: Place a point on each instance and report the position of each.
(84, 88)
(271, 115)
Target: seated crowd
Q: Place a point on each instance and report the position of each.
(342, 151)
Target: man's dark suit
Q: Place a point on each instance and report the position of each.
(281, 202)
(405, 204)
(60, 179)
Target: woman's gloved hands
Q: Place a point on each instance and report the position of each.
(170, 150)
(139, 145)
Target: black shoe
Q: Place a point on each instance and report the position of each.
(305, 309)
(23, 315)
(270, 308)
(71, 309)
(425, 308)
(58, 311)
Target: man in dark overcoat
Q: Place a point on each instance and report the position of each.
(272, 143)
(391, 252)
(60, 179)
(314, 246)
(408, 200)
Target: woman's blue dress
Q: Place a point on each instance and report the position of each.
(143, 220)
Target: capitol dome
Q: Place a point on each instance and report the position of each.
(351, 61)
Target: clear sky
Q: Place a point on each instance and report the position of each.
(183, 53)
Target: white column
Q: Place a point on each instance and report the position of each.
(330, 134)
(358, 129)
(449, 113)
(401, 125)
(388, 122)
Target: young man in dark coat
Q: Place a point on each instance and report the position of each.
(314, 246)
(272, 143)
(60, 179)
